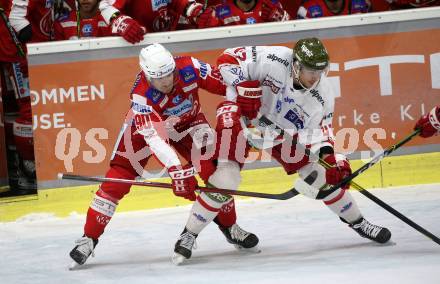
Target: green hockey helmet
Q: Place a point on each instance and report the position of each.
(311, 53)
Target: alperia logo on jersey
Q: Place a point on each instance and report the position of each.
(275, 58)
(317, 96)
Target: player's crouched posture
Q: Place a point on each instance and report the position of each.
(285, 93)
(165, 117)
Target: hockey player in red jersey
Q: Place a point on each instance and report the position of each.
(411, 4)
(243, 12)
(9, 51)
(283, 97)
(16, 98)
(132, 19)
(164, 120)
(328, 8)
(84, 22)
(33, 19)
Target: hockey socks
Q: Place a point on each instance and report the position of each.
(100, 212)
(342, 204)
(226, 216)
(203, 211)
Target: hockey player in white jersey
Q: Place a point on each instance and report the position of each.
(285, 97)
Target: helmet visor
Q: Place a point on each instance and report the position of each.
(309, 72)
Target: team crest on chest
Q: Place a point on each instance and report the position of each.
(177, 99)
(87, 30)
(315, 11)
(250, 21)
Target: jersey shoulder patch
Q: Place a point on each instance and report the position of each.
(188, 74)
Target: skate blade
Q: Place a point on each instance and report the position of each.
(254, 249)
(74, 266)
(178, 259)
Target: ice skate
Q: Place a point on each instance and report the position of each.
(370, 231)
(183, 247)
(85, 247)
(241, 239)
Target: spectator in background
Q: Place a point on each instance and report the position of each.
(83, 22)
(12, 61)
(243, 12)
(142, 16)
(33, 19)
(26, 21)
(30, 21)
(410, 4)
(380, 5)
(327, 8)
(291, 6)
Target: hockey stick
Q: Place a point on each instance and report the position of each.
(322, 194)
(379, 202)
(256, 142)
(368, 165)
(396, 213)
(277, 196)
(12, 33)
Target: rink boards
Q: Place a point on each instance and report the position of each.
(61, 202)
(385, 70)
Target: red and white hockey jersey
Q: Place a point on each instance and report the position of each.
(8, 49)
(228, 14)
(154, 15)
(41, 14)
(67, 28)
(182, 105)
(306, 113)
(319, 8)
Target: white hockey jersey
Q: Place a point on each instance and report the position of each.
(307, 113)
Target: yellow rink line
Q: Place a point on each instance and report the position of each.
(393, 171)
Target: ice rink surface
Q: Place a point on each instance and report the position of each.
(301, 241)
